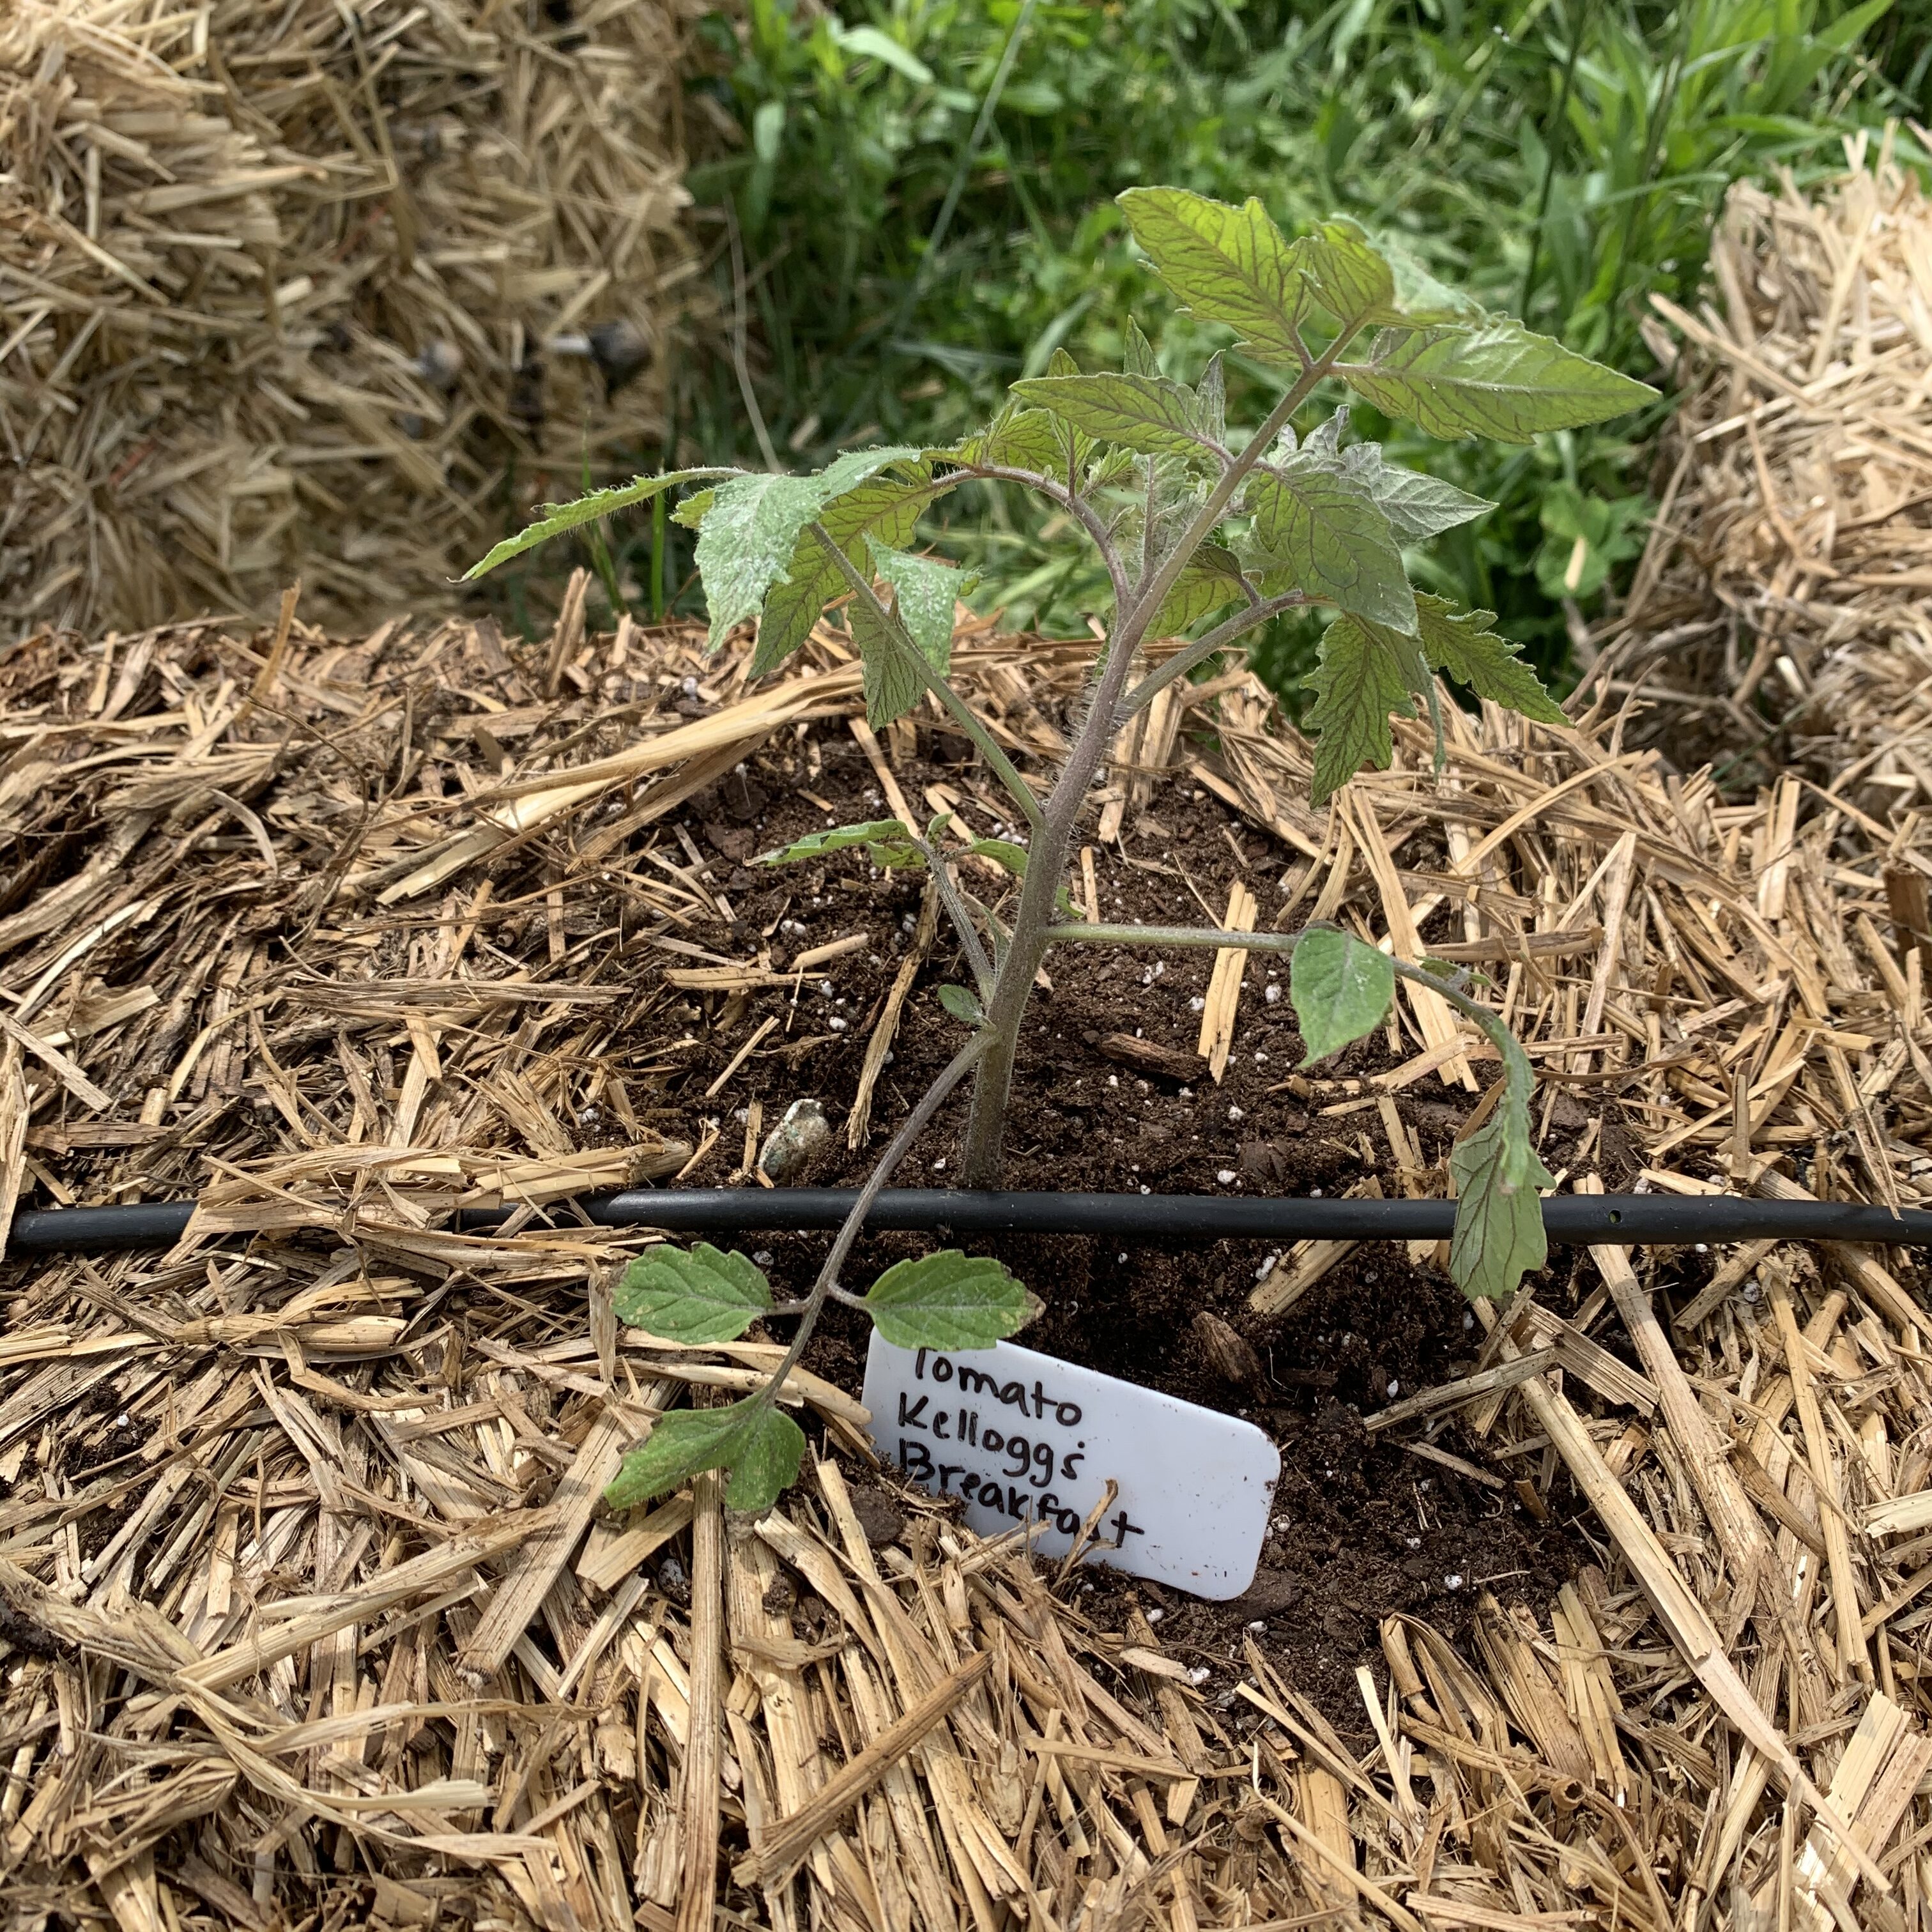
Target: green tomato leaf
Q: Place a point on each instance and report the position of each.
(1500, 381)
(837, 838)
(1210, 580)
(924, 590)
(1341, 988)
(1166, 486)
(1346, 275)
(1419, 296)
(1147, 413)
(1228, 265)
(1139, 358)
(1002, 852)
(1462, 643)
(883, 509)
(698, 1296)
(1412, 295)
(1211, 398)
(1032, 439)
(764, 1462)
(1116, 468)
(695, 508)
(1323, 527)
(553, 519)
(1018, 439)
(963, 1005)
(1075, 446)
(1419, 507)
(888, 842)
(947, 1300)
(751, 536)
(761, 1446)
(1363, 674)
(1499, 1237)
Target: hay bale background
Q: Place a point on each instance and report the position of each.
(1779, 614)
(293, 289)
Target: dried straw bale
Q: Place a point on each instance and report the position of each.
(1780, 610)
(311, 289)
(309, 1607)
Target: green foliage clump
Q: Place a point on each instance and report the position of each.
(945, 1300)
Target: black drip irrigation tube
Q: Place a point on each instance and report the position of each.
(1667, 1219)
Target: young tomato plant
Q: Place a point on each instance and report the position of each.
(1202, 534)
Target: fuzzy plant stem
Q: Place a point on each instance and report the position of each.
(962, 922)
(1197, 653)
(1053, 839)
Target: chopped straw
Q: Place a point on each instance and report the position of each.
(312, 1604)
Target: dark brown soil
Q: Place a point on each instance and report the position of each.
(1362, 1527)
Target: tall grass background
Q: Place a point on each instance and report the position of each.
(910, 203)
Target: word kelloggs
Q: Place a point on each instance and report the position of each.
(1030, 1459)
(1022, 1439)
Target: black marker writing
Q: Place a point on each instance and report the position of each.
(1026, 1463)
(1033, 1401)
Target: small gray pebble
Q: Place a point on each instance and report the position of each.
(791, 1146)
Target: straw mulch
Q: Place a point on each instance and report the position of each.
(1779, 612)
(312, 1611)
(288, 289)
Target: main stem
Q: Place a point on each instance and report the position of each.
(1053, 837)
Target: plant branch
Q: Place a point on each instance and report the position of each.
(1517, 1068)
(1081, 932)
(803, 1305)
(955, 911)
(1202, 649)
(1151, 595)
(915, 1124)
(1033, 917)
(1098, 731)
(1072, 502)
(1150, 520)
(915, 659)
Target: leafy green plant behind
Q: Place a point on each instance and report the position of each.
(1197, 528)
(1562, 159)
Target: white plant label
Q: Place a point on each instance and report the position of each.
(1025, 1439)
